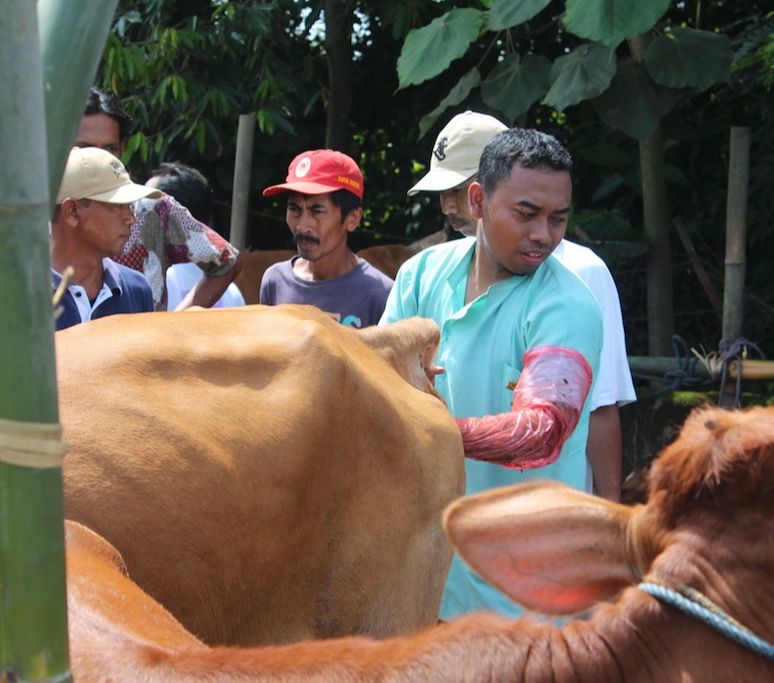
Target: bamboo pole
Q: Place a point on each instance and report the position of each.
(240, 199)
(736, 232)
(655, 208)
(660, 365)
(33, 627)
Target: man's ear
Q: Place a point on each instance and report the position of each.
(476, 199)
(353, 218)
(69, 212)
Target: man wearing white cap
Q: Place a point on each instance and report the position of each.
(453, 167)
(504, 304)
(91, 224)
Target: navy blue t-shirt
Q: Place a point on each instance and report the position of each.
(131, 294)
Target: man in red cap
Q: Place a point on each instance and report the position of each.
(324, 203)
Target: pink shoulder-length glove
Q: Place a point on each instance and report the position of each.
(547, 403)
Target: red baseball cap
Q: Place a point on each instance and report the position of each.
(319, 171)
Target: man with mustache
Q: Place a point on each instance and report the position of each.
(504, 304)
(90, 226)
(324, 204)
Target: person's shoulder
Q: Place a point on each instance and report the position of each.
(563, 281)
(373, 273)
(128, 276)
(279, 269)
(447, 253)
(580, 259)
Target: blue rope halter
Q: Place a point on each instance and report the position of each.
(695, 604)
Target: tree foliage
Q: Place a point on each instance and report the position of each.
(186, 69)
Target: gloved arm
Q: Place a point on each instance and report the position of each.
(547, 403)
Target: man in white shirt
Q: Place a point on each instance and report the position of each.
(190, 189)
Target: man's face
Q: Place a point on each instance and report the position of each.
(317, 227)
(454, 205)
(100, 130)
(103, 228)
(524, 219)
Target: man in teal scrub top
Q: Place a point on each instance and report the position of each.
(496, 297)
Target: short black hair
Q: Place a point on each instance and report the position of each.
(346, 201)
(525, 147)
(188, 186)
(102, 102)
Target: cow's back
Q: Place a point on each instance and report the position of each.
(264, 474)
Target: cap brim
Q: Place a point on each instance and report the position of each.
(440, 180)
(302, 187)
(126, 194)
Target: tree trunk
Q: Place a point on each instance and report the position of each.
(661, 315)
(338, 48)
(655, 209)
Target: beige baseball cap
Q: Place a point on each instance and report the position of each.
(93, 173)
(457, 150)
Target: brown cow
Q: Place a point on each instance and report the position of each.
(266, 474)
(708, 526)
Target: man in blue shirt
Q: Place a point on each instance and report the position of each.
(504, 304)
(91, 224)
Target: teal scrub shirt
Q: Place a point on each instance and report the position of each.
(482, 344)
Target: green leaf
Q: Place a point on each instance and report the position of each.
(429, 50)
(456, 95)
(507, 13)
(685, 57)
(515, 84)
(633, 103)
(584, 73)
(611, 21)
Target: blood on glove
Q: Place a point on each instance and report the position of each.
(547, 403)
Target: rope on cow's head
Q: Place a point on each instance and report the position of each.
(699, 606)
(31, 444)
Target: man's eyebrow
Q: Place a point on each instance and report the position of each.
(534, 207)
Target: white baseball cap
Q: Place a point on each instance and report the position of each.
(93, 173)
(457, 150)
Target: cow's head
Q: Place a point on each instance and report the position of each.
(556, 550)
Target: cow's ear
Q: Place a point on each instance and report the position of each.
(549, 547)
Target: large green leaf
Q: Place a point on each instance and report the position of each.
(685, 57)
(515, 84)
(429, 50)
(611, 21)
(456, 95)
(633, 103)
(584, 73)
(507, 13)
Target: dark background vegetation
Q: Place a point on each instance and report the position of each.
(186, 69)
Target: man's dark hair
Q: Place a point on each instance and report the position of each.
(346, 201)
(188, 186)
(101, 102)
(525, 147)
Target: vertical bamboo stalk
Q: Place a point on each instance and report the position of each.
(661, 317)
(240, 198)
(33, 627)
(68, 69)
(655, 208)
(736, 232)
